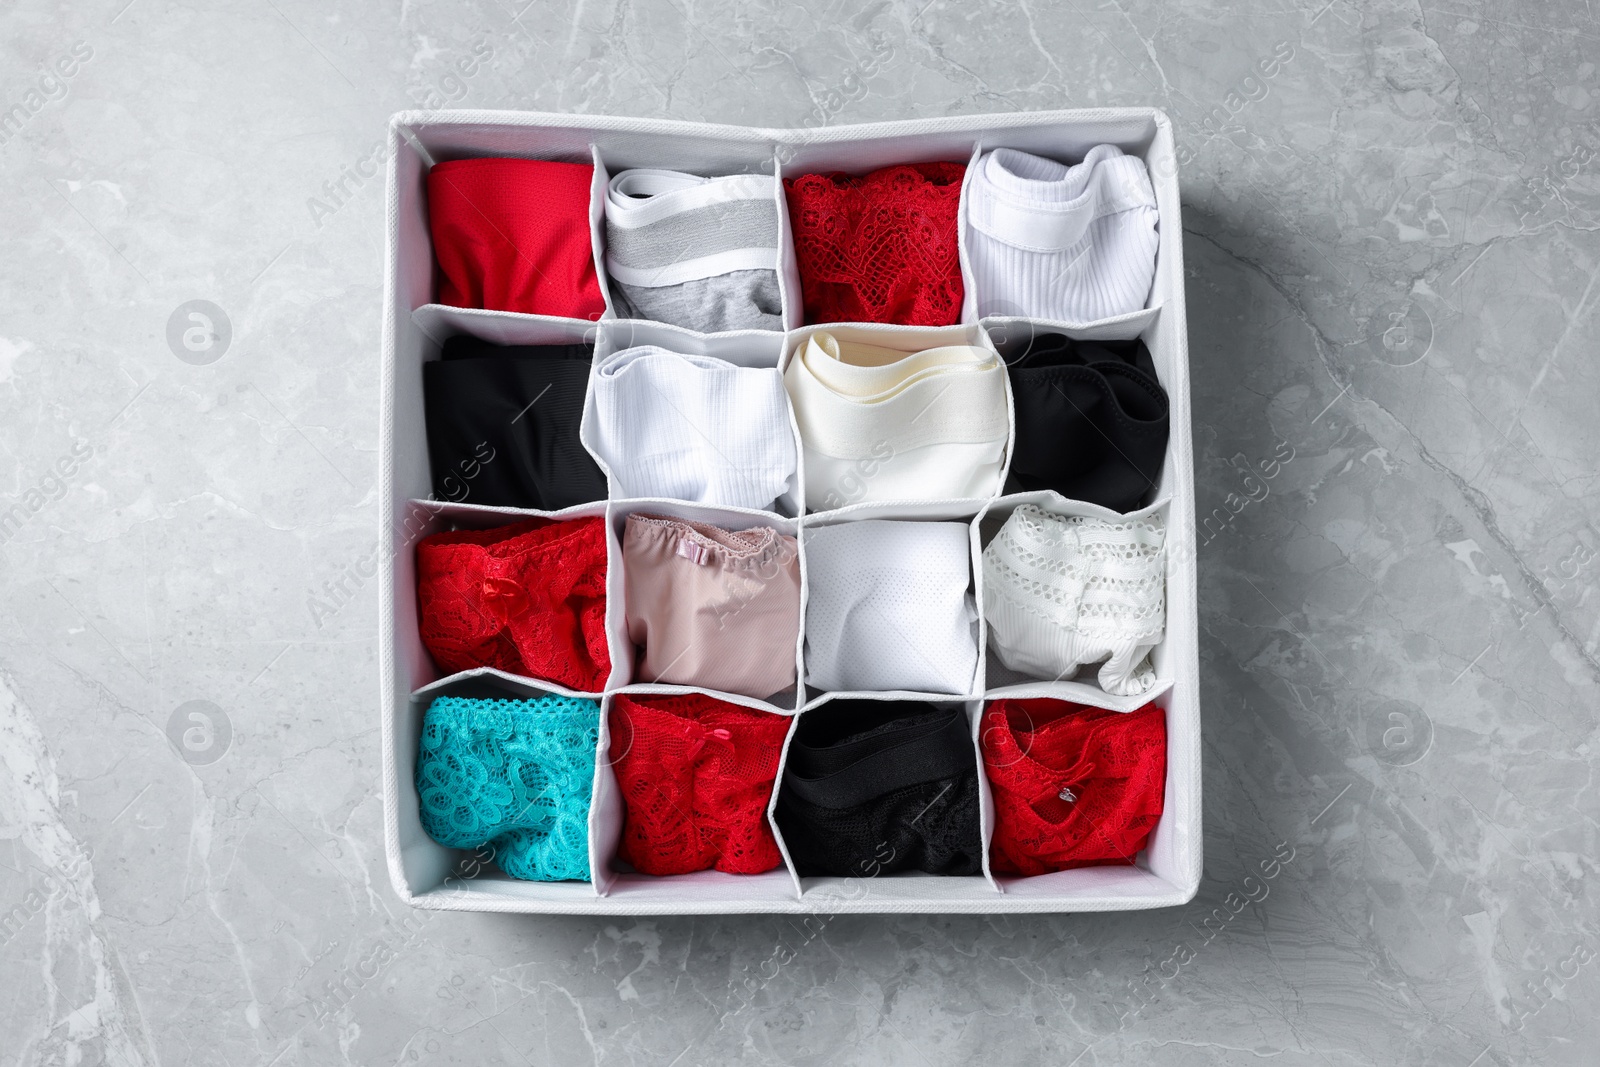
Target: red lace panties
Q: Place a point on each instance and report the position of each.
(513, 235)
(1074, 786)
(696, 774)
(529, 599)
(879, 248)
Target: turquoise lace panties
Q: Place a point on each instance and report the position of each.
(513, 775)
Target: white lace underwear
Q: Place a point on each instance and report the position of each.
(1060, 593)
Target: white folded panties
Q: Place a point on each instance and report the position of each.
(889, 606)
(690, 428)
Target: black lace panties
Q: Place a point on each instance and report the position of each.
(873, 787)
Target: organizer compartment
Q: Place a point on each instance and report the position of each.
(835, 629)
(464, 878)
(698, 892)
(428, 875)
(782, 260)
(826, 815)
(729, 519)
(850, 497)
(1081, 687)
(750, 349)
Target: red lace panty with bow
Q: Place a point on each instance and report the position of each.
(696, 774)
(881, 247)
(529, 599)
(1074, 786)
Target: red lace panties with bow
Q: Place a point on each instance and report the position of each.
(529, 599)
(696, 774)
(881, 247)
(1074, 786)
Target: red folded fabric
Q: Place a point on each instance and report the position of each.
(513, 235)
(1074, 786)
(529, 599)
(696, 774)
(879, 248)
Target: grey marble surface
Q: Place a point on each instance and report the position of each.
(1392, 221)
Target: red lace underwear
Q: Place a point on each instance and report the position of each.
(513, 235)
(529, 599)
(879, 248)
(696, 774)
(1074, 786)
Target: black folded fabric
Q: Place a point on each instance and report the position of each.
(502, 424)
(1092, 420)
(874, 787)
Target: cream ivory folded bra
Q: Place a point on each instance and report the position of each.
(881, 424)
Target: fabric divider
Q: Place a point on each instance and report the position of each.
(1117, 328)
(783, 762)
(986, 814)
(606, 809)
(597, 227)
(440, 322)
(788, 264)
(969, 284)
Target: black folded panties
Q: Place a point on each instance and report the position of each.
(503, 421)
(1091, 420)
(872, 787)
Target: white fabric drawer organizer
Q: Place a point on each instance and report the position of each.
(428, 875)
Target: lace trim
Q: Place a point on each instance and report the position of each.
(1097, 577)
(528, 599)
(1073, 786)
(881, 247)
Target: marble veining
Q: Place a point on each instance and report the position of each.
(1392, 228)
